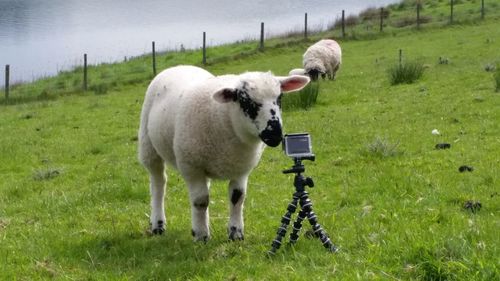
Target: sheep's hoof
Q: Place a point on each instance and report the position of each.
(200, 237)
(158, 231)
(160, 228)
(236, 234)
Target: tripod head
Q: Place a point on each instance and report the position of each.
(300, 182)
(298, 167)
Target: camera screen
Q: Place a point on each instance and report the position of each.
(298, 144)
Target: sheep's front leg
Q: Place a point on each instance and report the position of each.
(237, 193)
(199, 195)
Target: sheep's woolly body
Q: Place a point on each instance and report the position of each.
(188, 128)
(324, 56)
(297, 71)
(209, 128)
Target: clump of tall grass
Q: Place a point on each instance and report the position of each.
(373, 13)
(406, 72)
(99, 89)
(489, 67)
(349, 21)
(46, 174)
(304, 99)
(382, 147)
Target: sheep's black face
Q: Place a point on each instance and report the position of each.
(263, 114)
(314, 74)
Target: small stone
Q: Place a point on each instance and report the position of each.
(465, 168)
(473, 206)
(443, 146)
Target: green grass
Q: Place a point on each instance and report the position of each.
(407, 72)
(303, 99)
(74, 201)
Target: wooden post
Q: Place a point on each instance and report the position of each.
(261, 46)
(85, 72)
(343, 24)
(381, 19)
(451, 11)
(204, 60)
(482, 9)
(305, 26)
(400, 57)
(154, 58)
(7, 78)
(418, 15)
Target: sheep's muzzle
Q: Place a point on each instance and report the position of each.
(272, 135)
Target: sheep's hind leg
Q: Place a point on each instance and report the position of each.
(199, 195)
(157, 189)
(237, 193)
(157, 181)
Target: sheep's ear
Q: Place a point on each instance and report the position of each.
(293, 83)
(226, 95)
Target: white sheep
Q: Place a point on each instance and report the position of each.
(324, 57)
(297, 71)
(209, 127)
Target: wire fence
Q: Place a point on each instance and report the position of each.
(372, 21)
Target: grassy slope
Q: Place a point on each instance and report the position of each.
(398, 217)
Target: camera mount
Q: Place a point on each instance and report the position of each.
(301, 197)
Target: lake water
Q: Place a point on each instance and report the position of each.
(40, 37)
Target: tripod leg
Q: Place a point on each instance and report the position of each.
(285, 221)
(297, 226)
(313, 220)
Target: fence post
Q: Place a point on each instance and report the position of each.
(261, 46)
(418, 15)
(85, 72)
(7, 78)
(204, 60)
(400, 57)
(482, 9)
(343, 24)
(381, 18)
(451, 11)
(154, 57)
(305, 26)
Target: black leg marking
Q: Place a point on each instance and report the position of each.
(201, 203)
(203, 238)
(235, 234)
(235, 197)
(160, 229)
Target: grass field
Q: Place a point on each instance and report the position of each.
(74, 201)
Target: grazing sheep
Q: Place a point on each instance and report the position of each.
(209, 127)
(324, 57)
(297, 71)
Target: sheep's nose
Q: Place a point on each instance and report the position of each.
(314, 76)
(272, 134)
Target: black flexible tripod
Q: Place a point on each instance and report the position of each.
(301, 196)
